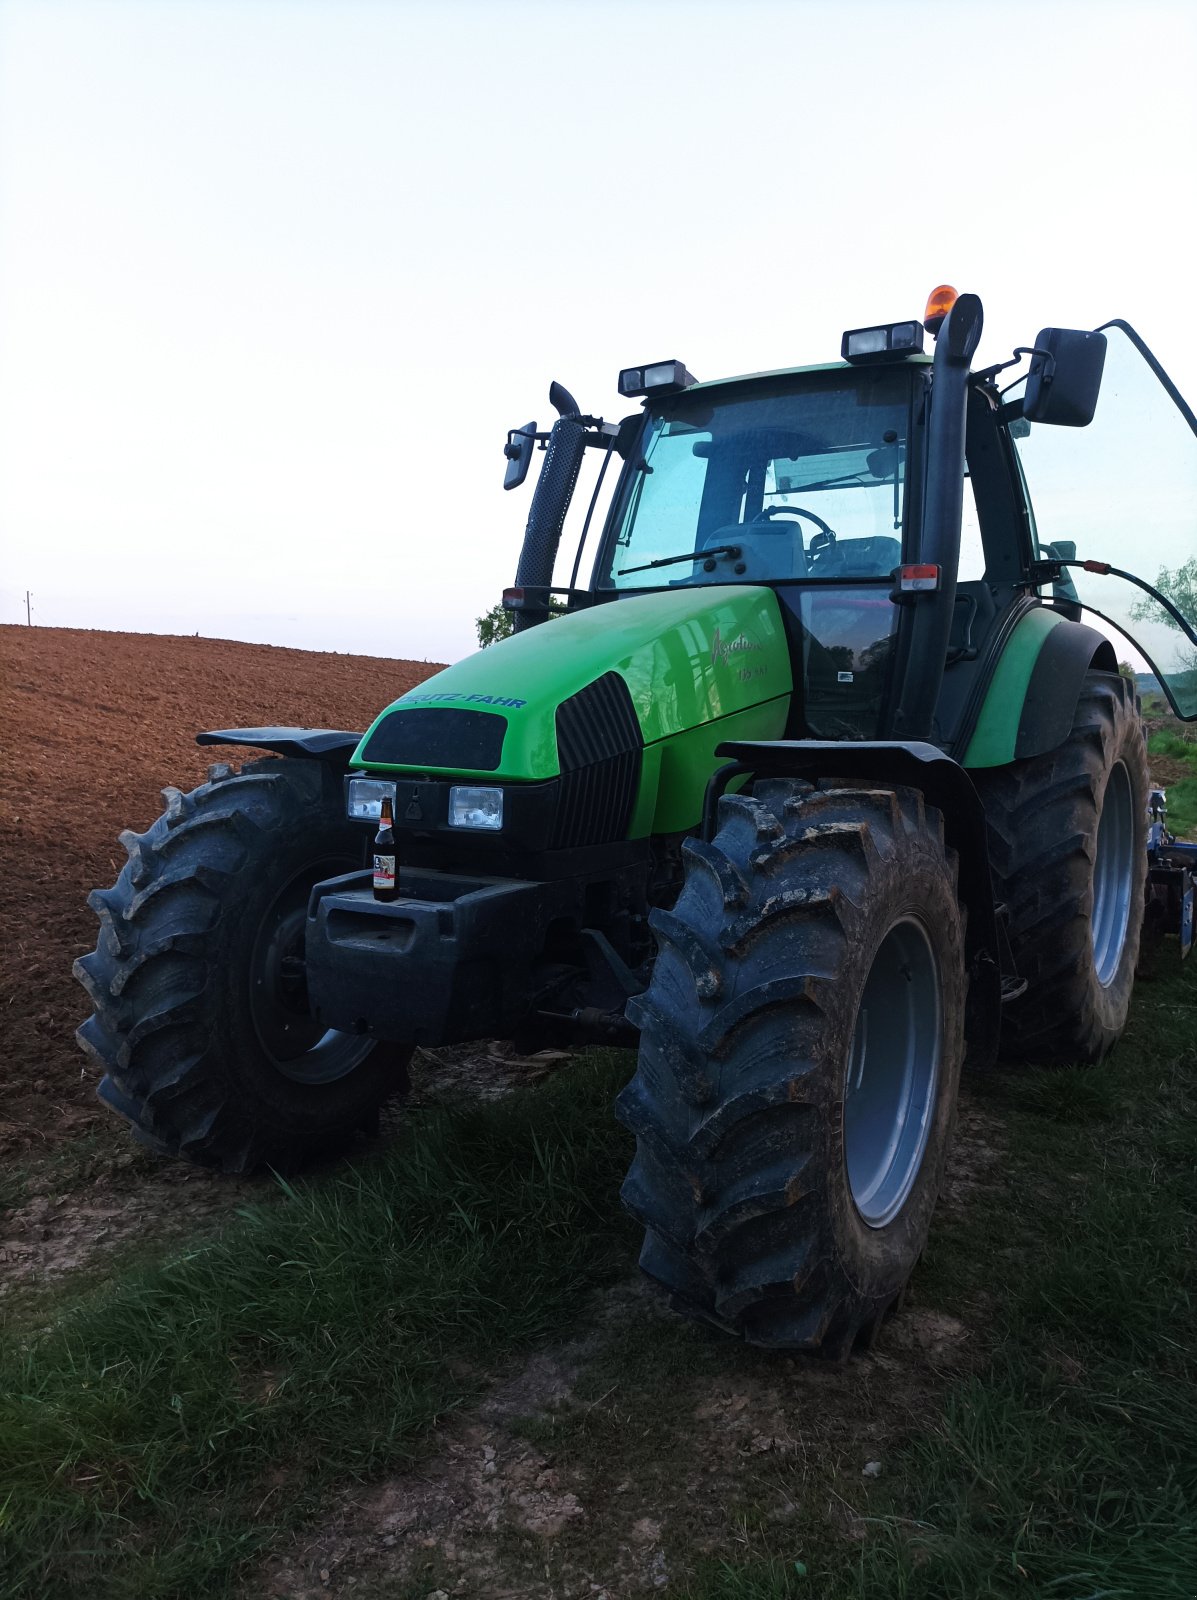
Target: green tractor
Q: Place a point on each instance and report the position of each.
(818, 789)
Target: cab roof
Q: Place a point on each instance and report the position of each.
(923, 360)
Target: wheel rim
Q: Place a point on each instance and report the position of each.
(893, 1073)
(298, 1047)
(1113, 874)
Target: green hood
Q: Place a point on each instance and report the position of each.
(700, 665)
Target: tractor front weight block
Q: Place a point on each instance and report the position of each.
(451, 960)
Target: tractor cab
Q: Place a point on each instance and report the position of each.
(799, 481)
(907, 513)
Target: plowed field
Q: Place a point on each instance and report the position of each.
(92, 725)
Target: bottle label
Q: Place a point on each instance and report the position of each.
(384, 872)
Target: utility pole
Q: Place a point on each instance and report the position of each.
(28, 617)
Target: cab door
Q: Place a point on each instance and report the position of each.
(1122, 493)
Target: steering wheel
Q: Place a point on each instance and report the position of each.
(767, 513)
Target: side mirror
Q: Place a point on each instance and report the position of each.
(1065, 377)
(521, 442)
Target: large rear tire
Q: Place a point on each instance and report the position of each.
(801, 1043)
(1068, 850)
(201, 1023)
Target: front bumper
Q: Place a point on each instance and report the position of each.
(451, 960)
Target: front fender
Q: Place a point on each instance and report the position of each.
(334, 745)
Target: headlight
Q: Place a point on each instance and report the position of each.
(366, 796)
(475, 808)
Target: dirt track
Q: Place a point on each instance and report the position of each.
(92, 725)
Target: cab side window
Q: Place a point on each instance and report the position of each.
(972, 547)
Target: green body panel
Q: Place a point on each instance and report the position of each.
(688, 759)
(996, 734)
(702, 665)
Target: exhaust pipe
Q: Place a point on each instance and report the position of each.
(550, 503)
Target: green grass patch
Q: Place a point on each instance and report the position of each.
(1182, 795)
(1066, 1467)
(161, 1431)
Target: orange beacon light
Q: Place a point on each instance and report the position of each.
(939, 302)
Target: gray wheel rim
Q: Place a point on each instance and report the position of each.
(1113, 874)
(298, 1047)
(893, 1073)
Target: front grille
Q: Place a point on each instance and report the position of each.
(599, 745)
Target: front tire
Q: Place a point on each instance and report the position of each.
(201, 1023)
(801, 1043)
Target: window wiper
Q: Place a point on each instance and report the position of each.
(693, 555)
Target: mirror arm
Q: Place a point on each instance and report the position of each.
(988, 374)
(511, 450)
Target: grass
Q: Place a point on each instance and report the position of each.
(1182, 795)
(159, 1432)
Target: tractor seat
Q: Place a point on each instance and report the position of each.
(874, 557)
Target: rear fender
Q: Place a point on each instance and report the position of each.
(1032, 697)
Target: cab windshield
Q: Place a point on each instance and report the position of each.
(774, 480)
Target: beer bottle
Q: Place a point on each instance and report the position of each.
(386, 857)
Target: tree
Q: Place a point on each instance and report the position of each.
(1178, 584)
(499, 624)
(496, 624)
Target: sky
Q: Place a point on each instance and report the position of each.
(276, 276)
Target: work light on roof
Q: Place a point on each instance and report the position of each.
(658, 377)
(892, 342)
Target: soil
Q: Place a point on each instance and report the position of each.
(547, 1491)
(1167, 770)
(92, 725)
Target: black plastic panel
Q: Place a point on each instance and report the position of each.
(422, 737)
(597, 722)
(334, 745)
(595, 805)
(1069, 651)
(599, 745)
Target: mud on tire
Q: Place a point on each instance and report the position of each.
(200, 1022)
(1068, 850)
(760, 1176)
